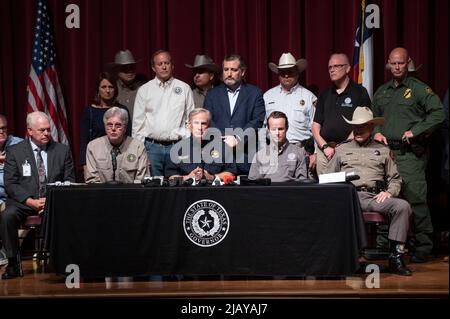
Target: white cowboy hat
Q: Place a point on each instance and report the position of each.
(363, 115)
(288, 61)
(123, 58)
(204, 62)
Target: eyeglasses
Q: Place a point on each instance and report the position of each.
(3, 128)
(117, 126)
(336, 67)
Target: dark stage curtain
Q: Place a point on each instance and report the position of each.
(260, 30)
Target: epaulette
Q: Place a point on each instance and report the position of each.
(379, 142)
(344, 142)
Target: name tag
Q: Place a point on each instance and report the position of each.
(26, 169)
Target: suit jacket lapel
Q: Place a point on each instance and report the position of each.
(242, 97)
(226, 101)
(50, 160)
(29, 153)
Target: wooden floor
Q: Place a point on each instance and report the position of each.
(429, 280)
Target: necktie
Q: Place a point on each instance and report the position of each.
(114, 152)
(41, 173)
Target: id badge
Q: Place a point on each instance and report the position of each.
(26, 169)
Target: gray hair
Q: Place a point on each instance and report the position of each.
(34, 116)
(199, 110)
(116, 111)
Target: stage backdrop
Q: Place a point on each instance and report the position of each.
(260, 30)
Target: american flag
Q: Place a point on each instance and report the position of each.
(363, 51)
(44, 91)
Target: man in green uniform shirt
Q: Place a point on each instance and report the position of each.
(411, 111)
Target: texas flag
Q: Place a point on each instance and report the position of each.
(363, 52)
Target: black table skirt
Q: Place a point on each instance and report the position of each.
(131, 230)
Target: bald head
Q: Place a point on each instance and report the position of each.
(398, 64)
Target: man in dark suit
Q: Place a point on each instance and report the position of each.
(29, 166)
(237, 110)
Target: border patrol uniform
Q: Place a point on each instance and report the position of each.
(413, 106)
(374, 164)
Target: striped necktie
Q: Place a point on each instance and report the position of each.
(41, 173)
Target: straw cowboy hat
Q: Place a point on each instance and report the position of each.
(363, 115)
(123, 58)
(204, 62)
(288, 61)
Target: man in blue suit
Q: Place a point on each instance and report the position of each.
(237, 110)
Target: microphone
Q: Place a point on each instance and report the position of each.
(190, 181)
(244, 180)
(114, 152)
(351, 176)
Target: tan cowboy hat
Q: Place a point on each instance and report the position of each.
(124, 58)
(204, 62)
(363, 115)
(288, 61)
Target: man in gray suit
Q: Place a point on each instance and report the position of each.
(29, 166)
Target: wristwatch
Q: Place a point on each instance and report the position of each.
(324, 146)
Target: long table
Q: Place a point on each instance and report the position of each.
(132, 230)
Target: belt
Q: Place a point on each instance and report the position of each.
(367, 189)
(148, 139)
(395, 144)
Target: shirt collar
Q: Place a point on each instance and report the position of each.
(34, 146)
(235, 91)
(163, 84)
(293, 89)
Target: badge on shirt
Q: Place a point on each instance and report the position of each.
(178, 90)
(302, 102)
(347, 102)
(131, 158)
(407, 94)
(215, 154)
(26, 169)
(377, 152)
(429, 90)
(291, 157)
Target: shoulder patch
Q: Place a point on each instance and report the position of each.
(429, 90)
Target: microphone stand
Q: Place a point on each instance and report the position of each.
(114, 167)
(203, 180)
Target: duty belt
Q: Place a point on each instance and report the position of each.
(395, 144)
(374, 190)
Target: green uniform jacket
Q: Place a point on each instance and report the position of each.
(411, 106)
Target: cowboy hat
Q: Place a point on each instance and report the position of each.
(363, 115)
(412, 68)
(124, 58)
(204, 62)
(288, 61)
